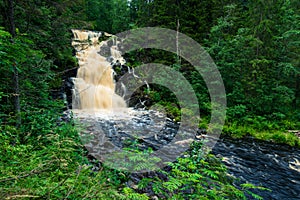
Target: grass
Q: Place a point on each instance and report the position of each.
(273, 135)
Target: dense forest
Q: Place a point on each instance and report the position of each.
(255, 45)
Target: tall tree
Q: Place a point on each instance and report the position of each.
(10, 20)
(112, 16)
(48, 24)
(252, 47)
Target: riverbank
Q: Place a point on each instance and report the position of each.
(288, 137)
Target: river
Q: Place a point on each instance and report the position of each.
(266, 164)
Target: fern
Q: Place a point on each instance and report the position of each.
(144, 183)
(255, 195)
(173, 184)
(131, 194)
(157, 188)
(210, 173)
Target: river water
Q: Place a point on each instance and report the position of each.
(265, 164)
(274, 166)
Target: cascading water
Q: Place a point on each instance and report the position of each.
(94, 86)
(106, 134)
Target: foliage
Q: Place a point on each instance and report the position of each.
(255, 77)
(52, 164)
(254, 46)
(112, 16)
(48, 24)
(133, 159)
(267, 133)
(33, 69)
(195, 177)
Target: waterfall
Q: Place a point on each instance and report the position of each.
(94, 86)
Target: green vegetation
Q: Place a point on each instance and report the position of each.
(52, 164)
(255, 45)
(192, 177)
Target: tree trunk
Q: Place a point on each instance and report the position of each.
(17, 96)
(11, 19)
(12, 31)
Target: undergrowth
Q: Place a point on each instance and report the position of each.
(263, 129)
(195, 176)
(44, 159)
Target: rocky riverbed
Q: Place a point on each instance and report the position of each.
(276, 167)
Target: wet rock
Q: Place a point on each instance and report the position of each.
(105, 52)
(65, 117)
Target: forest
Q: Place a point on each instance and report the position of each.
(254, 44)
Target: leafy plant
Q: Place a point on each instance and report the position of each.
(195, 177)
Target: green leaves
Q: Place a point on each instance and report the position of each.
(193, 177)
(130, 194)
(52, 164)
(247, 186)
(252, 49)
(33, 73)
